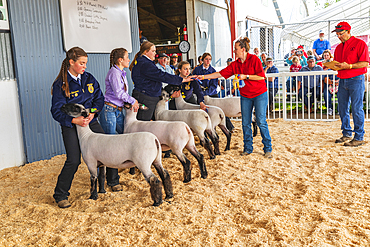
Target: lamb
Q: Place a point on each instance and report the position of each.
(120, 151)
(197, 120)
(215, 113)
(231, 107)
(172, 135)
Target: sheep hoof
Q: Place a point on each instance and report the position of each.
(204, 176)
(168, 197)
(102, 191)
(94, 196)
(156, 204)
(212, 157)
(186, 180)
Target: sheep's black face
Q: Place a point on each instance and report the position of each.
(170, 89)
(74, 110)
(165, 95)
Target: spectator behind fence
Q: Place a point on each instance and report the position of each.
(292, 81)
(229, 61)
(174, 61)
(256, 52)
(320, 45)
(272, 82)
(200, 62)
(162, 65)
(301, 48)
(330, 83)
(299, 54)
(263, 59)
(353, 57)
(310, 85)
(292, 53)
(309, 53)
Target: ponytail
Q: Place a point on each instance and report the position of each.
(115, 55)
(244, 43)
(74, 53)
(182, 63)
(145, 46)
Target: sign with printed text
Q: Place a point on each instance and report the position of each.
(4, 20)
(97, 26)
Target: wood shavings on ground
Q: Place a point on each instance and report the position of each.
(313, 192)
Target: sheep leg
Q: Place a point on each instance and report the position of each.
(215, 141)
(132, 171)
(255, 130)
(201, 163)
(155, 189)
(93, 188)
(186, 165)
(101, 179)
(227, 134)
(207, 145)
(166, 180)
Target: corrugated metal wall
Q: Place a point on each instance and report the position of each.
(38, 52)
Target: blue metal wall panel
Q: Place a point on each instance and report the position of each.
(38, 52)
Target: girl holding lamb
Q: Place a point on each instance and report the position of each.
(74, 85)
(248, 68)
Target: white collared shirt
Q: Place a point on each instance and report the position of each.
(77, 78)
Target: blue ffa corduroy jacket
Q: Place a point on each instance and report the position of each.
(148, 78)
(188, 88)
(209, 86)
(87, 94)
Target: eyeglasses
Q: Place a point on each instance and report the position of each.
(340, 34)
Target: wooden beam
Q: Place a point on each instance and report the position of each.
(158, 19)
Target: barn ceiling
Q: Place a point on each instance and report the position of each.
(159, 19)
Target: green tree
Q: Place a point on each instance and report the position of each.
(327, 3)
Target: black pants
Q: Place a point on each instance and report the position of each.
(148, 101)
(229, 124)
(73, 152)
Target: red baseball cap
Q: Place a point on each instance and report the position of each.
(300, 47)
(341, 27)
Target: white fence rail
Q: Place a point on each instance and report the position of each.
(289, 103)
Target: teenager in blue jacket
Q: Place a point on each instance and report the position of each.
(148, 78)
(209, 86)
(74, 85)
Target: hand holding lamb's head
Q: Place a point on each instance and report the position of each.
(170, 89)
(141, 106)
(75, 110)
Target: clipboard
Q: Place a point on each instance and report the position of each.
(331, 65)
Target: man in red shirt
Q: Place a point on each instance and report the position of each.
(353, 57)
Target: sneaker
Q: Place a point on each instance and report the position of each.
(64, 204)
(330, 112)
(117, 188)
(343, 139)
(268, 155)
(354, 143)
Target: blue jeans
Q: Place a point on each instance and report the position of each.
(327, 97)
(260, 105)
(111, 120)
(352, 91)
(309, 101)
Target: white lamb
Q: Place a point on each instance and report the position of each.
(231, 107)
(173, 136)
(197, 120)
(121, 151)
(215, 113)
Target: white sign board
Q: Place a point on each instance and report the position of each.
(97, 26)
(4, 20)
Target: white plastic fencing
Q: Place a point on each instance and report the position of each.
(289, 105)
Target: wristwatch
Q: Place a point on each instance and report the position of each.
(247, 77)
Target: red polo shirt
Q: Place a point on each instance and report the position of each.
(352, 51)
(251, 66)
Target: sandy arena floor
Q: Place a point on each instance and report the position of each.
(313, 192)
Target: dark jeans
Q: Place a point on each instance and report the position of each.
(73, 152)
(308, 95)
(148, 101)
(272, 93)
